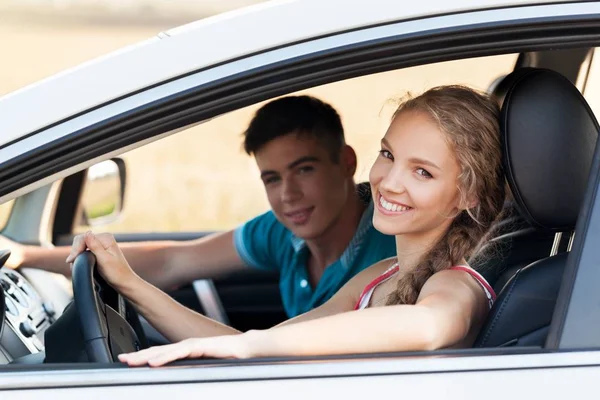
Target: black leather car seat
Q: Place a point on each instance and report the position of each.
(549, 134)
(512, 243)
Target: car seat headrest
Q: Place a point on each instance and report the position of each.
(549, 134)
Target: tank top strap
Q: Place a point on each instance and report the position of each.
(365, 297)
(487, 288)
(367, 293)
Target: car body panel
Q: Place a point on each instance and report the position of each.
(455, 377)
(464, 385)
(80, 108)
(214, 41)
(113, 85)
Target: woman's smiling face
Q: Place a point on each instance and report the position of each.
(414, 180)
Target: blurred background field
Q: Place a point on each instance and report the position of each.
(198, 179)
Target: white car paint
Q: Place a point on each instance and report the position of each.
(476, 376)
(112, 77)
(203, 44)
(489, 377)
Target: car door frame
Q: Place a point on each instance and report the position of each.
(89, 138)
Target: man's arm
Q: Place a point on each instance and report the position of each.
(171, 263)
(164, 264)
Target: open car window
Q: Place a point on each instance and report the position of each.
(191, 181)
(183, 182)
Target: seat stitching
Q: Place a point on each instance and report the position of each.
(498, 314)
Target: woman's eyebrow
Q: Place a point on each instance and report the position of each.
(423, 161)
(414, 160)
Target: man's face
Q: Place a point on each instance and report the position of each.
(307, 190)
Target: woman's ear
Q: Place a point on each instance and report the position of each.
(466, 204)
(472, 203)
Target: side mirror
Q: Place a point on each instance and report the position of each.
(103, 192)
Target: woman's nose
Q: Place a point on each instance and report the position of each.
(393, 181)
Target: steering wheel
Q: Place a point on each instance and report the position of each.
(109, 324)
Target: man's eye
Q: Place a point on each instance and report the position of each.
(271, 180)
(424, 173)
(386, 154)
(305, 169)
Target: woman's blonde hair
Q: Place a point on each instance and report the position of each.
(469, 120)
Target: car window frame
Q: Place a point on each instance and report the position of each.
(405, 40)
(573, 326)
(107, 123)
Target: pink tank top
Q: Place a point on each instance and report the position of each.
(365, 297)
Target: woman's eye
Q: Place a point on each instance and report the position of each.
(386, 154)
(424, 173)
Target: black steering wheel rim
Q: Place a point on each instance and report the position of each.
(92, 310)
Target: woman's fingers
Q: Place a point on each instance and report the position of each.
(176, 353)
(139, 357)
(159, 355)
(94, 244)
(110, 260)
(98, 244)
(218, 346)
(77, 248)
(107, 240)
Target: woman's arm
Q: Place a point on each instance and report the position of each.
(170, 318)
(451, 304)
(450, 307)
(173, 320)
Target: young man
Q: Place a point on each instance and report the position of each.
(318, 234)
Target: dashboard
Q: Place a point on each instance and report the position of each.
(26, 317)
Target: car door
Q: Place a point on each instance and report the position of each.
(245, 300)
(570, 357)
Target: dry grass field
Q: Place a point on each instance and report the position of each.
(199, 179)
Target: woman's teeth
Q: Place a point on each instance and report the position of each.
(392, 207)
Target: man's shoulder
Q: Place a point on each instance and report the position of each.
(380, 241)
(265, 218)
(265, 224)
(259, 241)
(380, 244)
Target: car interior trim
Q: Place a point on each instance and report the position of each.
(209, 300)
(577, 295)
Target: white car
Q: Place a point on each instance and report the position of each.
(542, 339)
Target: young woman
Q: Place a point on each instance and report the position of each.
(438, 186)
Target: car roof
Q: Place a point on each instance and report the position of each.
(202, 44)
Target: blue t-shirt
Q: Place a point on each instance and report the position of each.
(265, 243)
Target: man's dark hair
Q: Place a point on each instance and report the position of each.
(303, 115)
